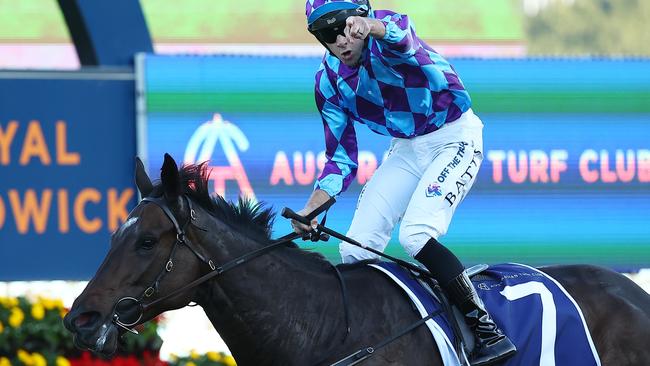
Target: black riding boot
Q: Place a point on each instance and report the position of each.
(491, 344)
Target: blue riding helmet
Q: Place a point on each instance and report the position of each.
(327, 21)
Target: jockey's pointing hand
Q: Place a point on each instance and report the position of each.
(356, 27)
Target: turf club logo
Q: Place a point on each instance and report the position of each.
(201, 147)
(433, 190)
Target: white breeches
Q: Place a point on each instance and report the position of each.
(421, 182)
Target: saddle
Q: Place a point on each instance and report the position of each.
(536, 312)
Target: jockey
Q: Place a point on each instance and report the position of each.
(377, 72)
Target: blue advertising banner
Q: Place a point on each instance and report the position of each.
(67, 143)
(565, 179)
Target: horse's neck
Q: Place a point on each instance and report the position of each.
(279, 306)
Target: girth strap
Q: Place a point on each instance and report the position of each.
(364, 353)
(346, 308)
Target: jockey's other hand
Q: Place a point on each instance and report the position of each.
(301, 228)
(318, 198)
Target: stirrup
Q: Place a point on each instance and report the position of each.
(507, 349)
(474, 270)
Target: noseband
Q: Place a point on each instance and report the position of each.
(128, 311)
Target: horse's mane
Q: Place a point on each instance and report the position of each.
(254, 220)
(246, 216)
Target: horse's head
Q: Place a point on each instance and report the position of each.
(151, 255)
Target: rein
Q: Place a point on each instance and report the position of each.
(320, 228)
(362, 354)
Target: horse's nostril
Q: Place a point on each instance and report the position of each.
(86, 320)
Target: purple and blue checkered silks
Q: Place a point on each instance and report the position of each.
(402, 88)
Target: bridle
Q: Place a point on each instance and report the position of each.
(123, 310)
(128, 311)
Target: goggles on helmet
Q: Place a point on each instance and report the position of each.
(329, 25)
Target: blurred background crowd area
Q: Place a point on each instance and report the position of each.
(33, 32)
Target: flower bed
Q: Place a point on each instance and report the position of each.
(208, 359)
(32, 334)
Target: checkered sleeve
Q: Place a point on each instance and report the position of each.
(340, 139)
(400, 39)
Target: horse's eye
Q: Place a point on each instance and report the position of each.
(147, 243)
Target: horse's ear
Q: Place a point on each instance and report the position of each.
(171, 180)
(142, 180)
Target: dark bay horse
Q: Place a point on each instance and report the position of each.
(285, 306)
